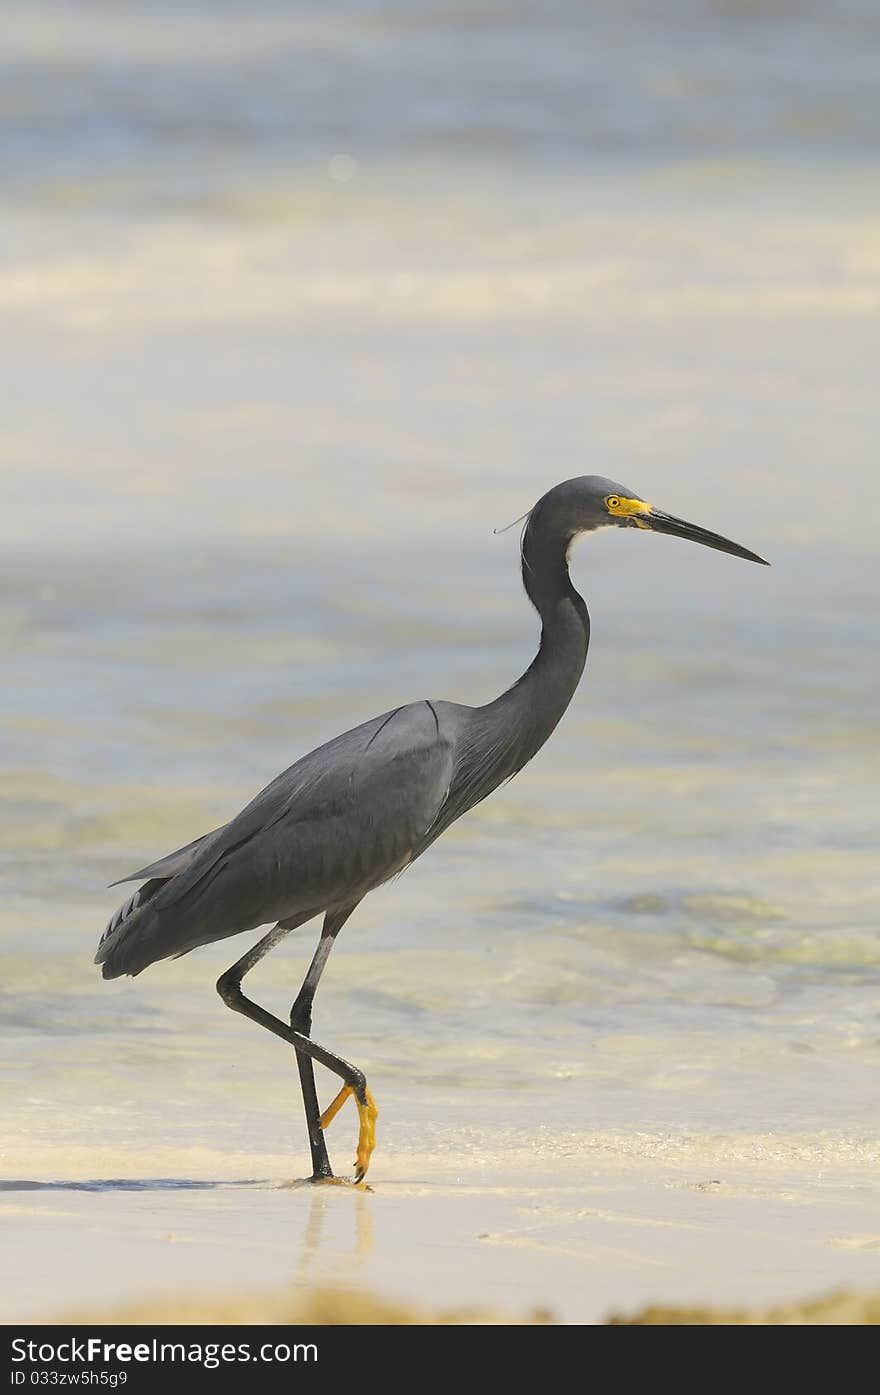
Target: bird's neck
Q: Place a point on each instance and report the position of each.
(538, 699)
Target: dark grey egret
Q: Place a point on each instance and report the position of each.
(351, 814)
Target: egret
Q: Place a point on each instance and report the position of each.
(354, 812)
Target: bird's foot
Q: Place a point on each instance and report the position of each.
(368, 1113)
(299, 1182)
(335, 1105)
(339, 1182)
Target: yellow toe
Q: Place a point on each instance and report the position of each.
(334, 1107)
(368, 1114)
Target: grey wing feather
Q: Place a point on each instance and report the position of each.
(486, 755)
(337, 823)
(170, 864)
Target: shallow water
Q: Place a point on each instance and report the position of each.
(263, 411)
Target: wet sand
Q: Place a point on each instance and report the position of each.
(349, 1307)
(577, 1226)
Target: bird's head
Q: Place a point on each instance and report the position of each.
(581, 505)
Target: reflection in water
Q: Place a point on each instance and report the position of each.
(325, 1247)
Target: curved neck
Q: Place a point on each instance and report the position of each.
(538, 699)
(565, 621)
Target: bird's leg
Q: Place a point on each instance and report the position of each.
(229, 988)
(301, 1021)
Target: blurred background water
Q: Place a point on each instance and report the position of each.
(300, 302)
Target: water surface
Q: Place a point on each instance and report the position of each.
(300, 307)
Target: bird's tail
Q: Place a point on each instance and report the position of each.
(128, 944)
(118, 946)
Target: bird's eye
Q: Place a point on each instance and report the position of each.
(613, 502)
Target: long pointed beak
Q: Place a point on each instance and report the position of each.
(665, 523)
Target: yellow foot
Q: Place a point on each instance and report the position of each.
(367, 1114)
(334, 1107)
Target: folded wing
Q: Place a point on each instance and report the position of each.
(340, 821)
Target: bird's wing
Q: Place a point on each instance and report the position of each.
(169, 865)
(487, 753)
(340, 814)
(337, 823)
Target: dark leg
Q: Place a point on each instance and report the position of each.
(301, 1021)
(229, 988)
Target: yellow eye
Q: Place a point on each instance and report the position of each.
(613, 502)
